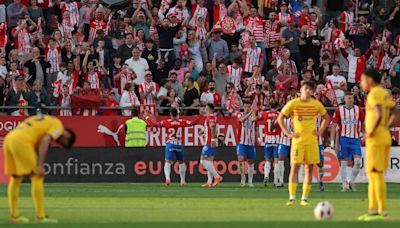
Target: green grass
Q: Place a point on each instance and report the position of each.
(228, 205)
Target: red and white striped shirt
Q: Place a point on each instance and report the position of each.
(256, 26)
(211, 97)
(54, 58)
(348, 18)
(279, 98)
(3, 35)
(235, 76)
(94, 26)
(143, 88)
(199, 11)
(283, 139)
(272, 33)
(66, 29)
(271, 130)
(349, 121)
(251, 58)
(247, 131)
(210, 120)
(94, 79)
(283, 18)
(257, 99)
(73, 9)
(201, 35)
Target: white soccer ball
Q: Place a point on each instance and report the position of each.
(323, 211)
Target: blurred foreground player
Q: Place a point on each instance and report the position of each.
(380, 115)
(304, 149)
(174, 146)
(208, 151)
(25, 149)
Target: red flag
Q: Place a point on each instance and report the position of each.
(86, 98)
(330, 93)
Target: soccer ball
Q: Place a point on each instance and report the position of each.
(323, 211)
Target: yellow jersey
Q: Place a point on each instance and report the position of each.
(304, 117)
(378, 96)
(33, 129)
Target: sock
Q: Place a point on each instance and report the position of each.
(380, 192)
(349, 171)
(356, 169)
(167, 171)
(13, 195)
(38, 196)
(267, 169)
(209, 177)
(211, 168)
(241, 169)
(320, 173)
(343, 169)
(276, 173)
(250, 172)
(306, 191)
(182, 172)
(372, 202)
(292, 190)
(281, 165)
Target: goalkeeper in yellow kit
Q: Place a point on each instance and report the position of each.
(380, 114)
(25, 150)
(305, 147)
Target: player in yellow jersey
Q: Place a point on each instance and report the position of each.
(380, 115)
(305, 147)
(25, 150)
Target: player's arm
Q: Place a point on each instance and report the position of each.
(376, 121)
(42, 152)
(245, 117)
(394, 117)
(324, 124)
(214, 140)
(284, 128)
(333, 134)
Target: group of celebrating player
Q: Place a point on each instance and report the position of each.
(296, 132)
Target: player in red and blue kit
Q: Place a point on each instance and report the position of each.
(246, 150)
(283, 151)
(349, 118)
(271, 134)
(174, 145)
(208, 151)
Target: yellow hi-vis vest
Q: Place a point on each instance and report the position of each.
(135, 133)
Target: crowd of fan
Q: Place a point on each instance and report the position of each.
(183, 53)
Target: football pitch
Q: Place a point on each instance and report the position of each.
(228, 205)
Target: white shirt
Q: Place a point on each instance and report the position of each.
(128, 99)
(336, 80)
(139, 66)
(162, 92)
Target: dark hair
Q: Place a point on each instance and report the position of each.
(190, 80)
(63, 64)
(395, 90)
(52, 39)
(127, 86)
(374, 74)
(211, 81)
(128, 34)
(309, 84)
(149, 40)
(335, 23)
(307, 71)
(173, 112)
(117, 56)
(246, 102)
(71, 139)
(348, 93)
(210, 106)
(237, 60)
(325, 57)
(274, 104)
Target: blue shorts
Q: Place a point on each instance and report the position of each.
(284, 150)
(321, 153)
(207, 151)
(246, 151)
(348, 147)
(271, 151)
(173, 151)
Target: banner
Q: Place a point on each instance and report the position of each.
(88, 98)
(109, 131)
(146, 165)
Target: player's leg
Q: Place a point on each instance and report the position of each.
(13, 196)
(379, 179)
(204, 161)
(292, 185)
(356, 152)
(307, 182)
(283, 153)
(276, 166)
(321, 169)
(182, 166)
(343, 159)
(169, 157)
(241, 158)
(251, 155)
(208, 163)
(268, 151)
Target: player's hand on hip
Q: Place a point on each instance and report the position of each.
(368, 134)
(317, 133)
(41, 171)
(294, 135)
